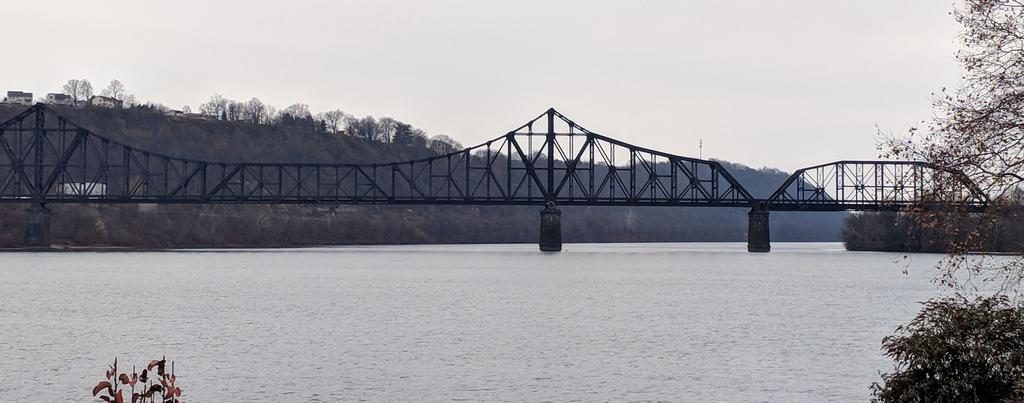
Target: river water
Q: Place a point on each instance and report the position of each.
(620, 322)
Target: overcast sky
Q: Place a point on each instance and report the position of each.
(765, 83)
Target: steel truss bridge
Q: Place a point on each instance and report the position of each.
(549, 161)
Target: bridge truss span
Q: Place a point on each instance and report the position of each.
(875, 186)
(46, 158)
(548, 161)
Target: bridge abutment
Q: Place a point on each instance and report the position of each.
(37, 226)
(758, 236)
(550, 229)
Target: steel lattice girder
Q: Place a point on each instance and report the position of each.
(46, 158)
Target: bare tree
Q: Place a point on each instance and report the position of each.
(234, 110)
(72, 88)
(957, 349)
(216, 106)
(320, 117)
(273, 116)
(386, 129)
(255, 111)
(977, 129)
(115, 90)
(333, 119)
(84, 90)
(297, 110)
(444, 144)
(351, 125)
(362, 127)
(78, 90)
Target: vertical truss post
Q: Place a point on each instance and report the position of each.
(37, 145)
(551, 216)
(550, 196)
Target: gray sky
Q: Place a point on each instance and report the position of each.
(765, 83)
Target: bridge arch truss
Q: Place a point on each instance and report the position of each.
(46, 158)
(875, 186)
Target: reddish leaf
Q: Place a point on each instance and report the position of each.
(100, 386)
(159, 364)
(124, 379)
(120, 397)
(135, 397)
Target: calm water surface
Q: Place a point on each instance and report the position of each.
(623, 322)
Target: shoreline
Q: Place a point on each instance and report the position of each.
(113, 249)
(116, 249)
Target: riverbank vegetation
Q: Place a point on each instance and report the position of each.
(908, 232)
(957, 350)
(155, 384)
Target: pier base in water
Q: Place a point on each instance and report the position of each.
(37, 227)
(758, 238)
(550, 229)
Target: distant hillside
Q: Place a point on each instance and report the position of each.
(225, 225)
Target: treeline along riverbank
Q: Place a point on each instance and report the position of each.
(163, 226)
(904, 232)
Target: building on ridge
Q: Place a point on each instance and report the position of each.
(18, 97)
(106, 102)
(59, 99)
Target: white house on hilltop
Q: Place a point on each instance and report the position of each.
(106, 102)
(59, 99)
(18, 97)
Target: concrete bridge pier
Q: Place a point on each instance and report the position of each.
(758, 237)
(550, 228)
(37, 226)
